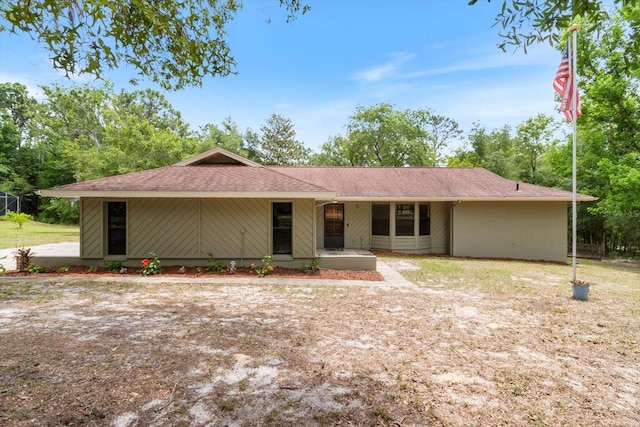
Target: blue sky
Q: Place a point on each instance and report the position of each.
(437, 54)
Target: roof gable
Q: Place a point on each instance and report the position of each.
(218, 156)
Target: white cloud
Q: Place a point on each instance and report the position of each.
(384, 71)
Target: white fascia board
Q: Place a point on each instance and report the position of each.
(318, 195)
(464, 199)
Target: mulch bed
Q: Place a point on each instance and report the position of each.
(195, 272)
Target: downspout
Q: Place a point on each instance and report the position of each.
(242, 246)
(451, 226)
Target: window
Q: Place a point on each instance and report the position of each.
(116, 228)
(282, 228)
(380, 219)
(425, 219)
(405, 219)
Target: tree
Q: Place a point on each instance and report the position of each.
(226, 136)
(608, 129)
(17, 218)
(439, 131)
(381, 135)
(531, 141)
(16, 112)
(278, 144)
(175, 44)
(492, 150)
(526, 22)
(17, 166)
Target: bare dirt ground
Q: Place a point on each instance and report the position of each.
(96, 353)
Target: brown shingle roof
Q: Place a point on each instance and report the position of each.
(218, 173)
(196, 179)
(432, 183)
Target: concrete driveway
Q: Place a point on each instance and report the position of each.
(67, 249)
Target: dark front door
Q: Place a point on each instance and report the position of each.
(334, 226)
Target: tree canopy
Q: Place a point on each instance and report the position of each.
(382, 135)
(173, 43)
(527, 22)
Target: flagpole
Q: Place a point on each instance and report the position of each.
(574, 110)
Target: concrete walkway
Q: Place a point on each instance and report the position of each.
(392, 278)
(69, 249)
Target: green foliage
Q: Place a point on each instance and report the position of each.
(264, 268)
(383, 136)
(226, 136)
(113, 266)
(175, 44)
(312, 268)
(3, 270)
(527, 22)
(35, 269)
(63, 269)
(531, 141)
(278, 144)
(17, 218)
(213, 265)
(60, 211)
(150, 267)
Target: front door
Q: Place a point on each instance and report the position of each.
(334, 226)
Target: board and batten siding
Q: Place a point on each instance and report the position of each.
(167, 227)
(440, 219)
(357, 225)
(193, 228)
(235, 228)
(303, 228)
(91, 228)
(517, 230)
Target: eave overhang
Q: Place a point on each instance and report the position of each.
(317, 195)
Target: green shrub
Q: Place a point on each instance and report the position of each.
(35, 269)
(113, 266)
(310, 269)
(17, 218)
(59, 211)
(213, 265)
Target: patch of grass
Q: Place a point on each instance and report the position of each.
(36, 233)
(383, 414)
(25, 291)
(227, 405)
(520, 277)
(13, 290)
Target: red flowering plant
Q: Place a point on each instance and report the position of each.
(150, 267)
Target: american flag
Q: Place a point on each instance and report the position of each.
(563, 84)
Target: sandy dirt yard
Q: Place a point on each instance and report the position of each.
(99, 353)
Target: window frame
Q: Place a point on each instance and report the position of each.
(379, 228)
(276, 230)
